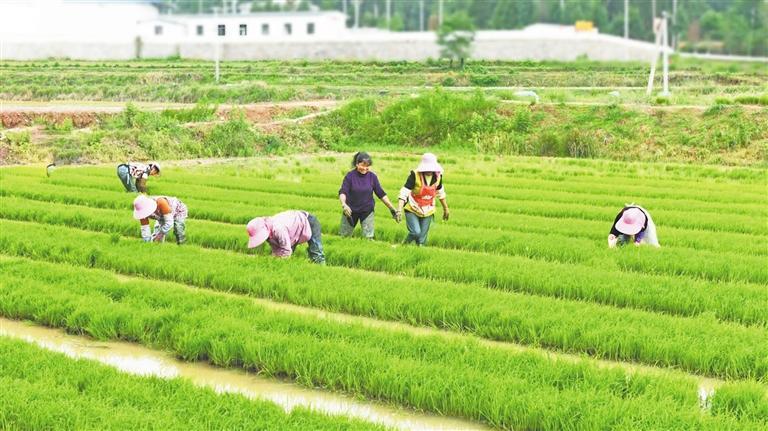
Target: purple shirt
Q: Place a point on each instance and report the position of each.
(287, 229)
(359, 189)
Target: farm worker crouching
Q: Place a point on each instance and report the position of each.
(284, 231)
(631, 221)
(356, 196)
(168, 213)
(417, 198)
(134, 175)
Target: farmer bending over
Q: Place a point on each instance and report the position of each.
(633, 221)
(168, 212)
(134, 175)
(284, 231)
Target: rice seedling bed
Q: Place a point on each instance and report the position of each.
(46, 390)
(505, 389)
(522, 261)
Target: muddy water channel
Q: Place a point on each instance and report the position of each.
(138, 360)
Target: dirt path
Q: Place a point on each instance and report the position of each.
(116, 107)
(16, 116)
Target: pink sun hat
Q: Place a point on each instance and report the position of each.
(429, 164)
(258, 232)
(631, 222)
(143, 207)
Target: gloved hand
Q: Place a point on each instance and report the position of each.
(146, 233)
(397, 215)
(612, 240)
(446, 214)
(347, 210)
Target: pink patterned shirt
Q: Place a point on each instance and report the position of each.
(286, 230)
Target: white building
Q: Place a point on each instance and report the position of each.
(123, 30)
(250, 27)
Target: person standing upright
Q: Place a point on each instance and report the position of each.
(417, 198)
(356, 196)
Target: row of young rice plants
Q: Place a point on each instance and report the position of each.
(327, 184)
(46, 390)
(522, 223)
(699, 344)
(742, 303)
(594, 230)
(571, 227)
(669, 261)
(507, 389)
(512, 198)
(241, 206)
(698, 293)
(627, 173)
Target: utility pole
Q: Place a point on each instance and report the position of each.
(421, 15)
(660, 28)
(653, 10)
(440, 13)
(344, 10)
(216, 47)
(674, 24)
(357, 13)
(199, 7)
(389, 14)
(665, 17)
(626, 19)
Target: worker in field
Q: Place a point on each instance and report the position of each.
(633, 223)
(134, 175)
(284, 231)
(168, 213)
(356, 196)
(417, 198)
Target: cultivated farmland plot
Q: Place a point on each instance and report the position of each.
(516, 315)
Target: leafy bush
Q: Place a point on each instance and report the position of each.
(484, 80)
(201, 112)
(233, 138)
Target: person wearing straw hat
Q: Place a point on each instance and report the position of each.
(356, 196)
(168, 213)
(417, 198)
(284, 231)
(134, 175)
(633, 221)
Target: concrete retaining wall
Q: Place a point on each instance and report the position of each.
(490, 45)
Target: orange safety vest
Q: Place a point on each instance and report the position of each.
(421, 201)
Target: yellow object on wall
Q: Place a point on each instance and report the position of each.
(584, 26)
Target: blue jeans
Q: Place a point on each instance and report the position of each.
(125, 177)
(418, 228)
(315, 250)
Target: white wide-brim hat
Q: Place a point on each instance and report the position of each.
(429, 164)
(143, 207)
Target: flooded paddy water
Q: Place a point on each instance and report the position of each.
(139, 360)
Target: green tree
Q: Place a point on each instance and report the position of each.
(455, 37)
(504, 16)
